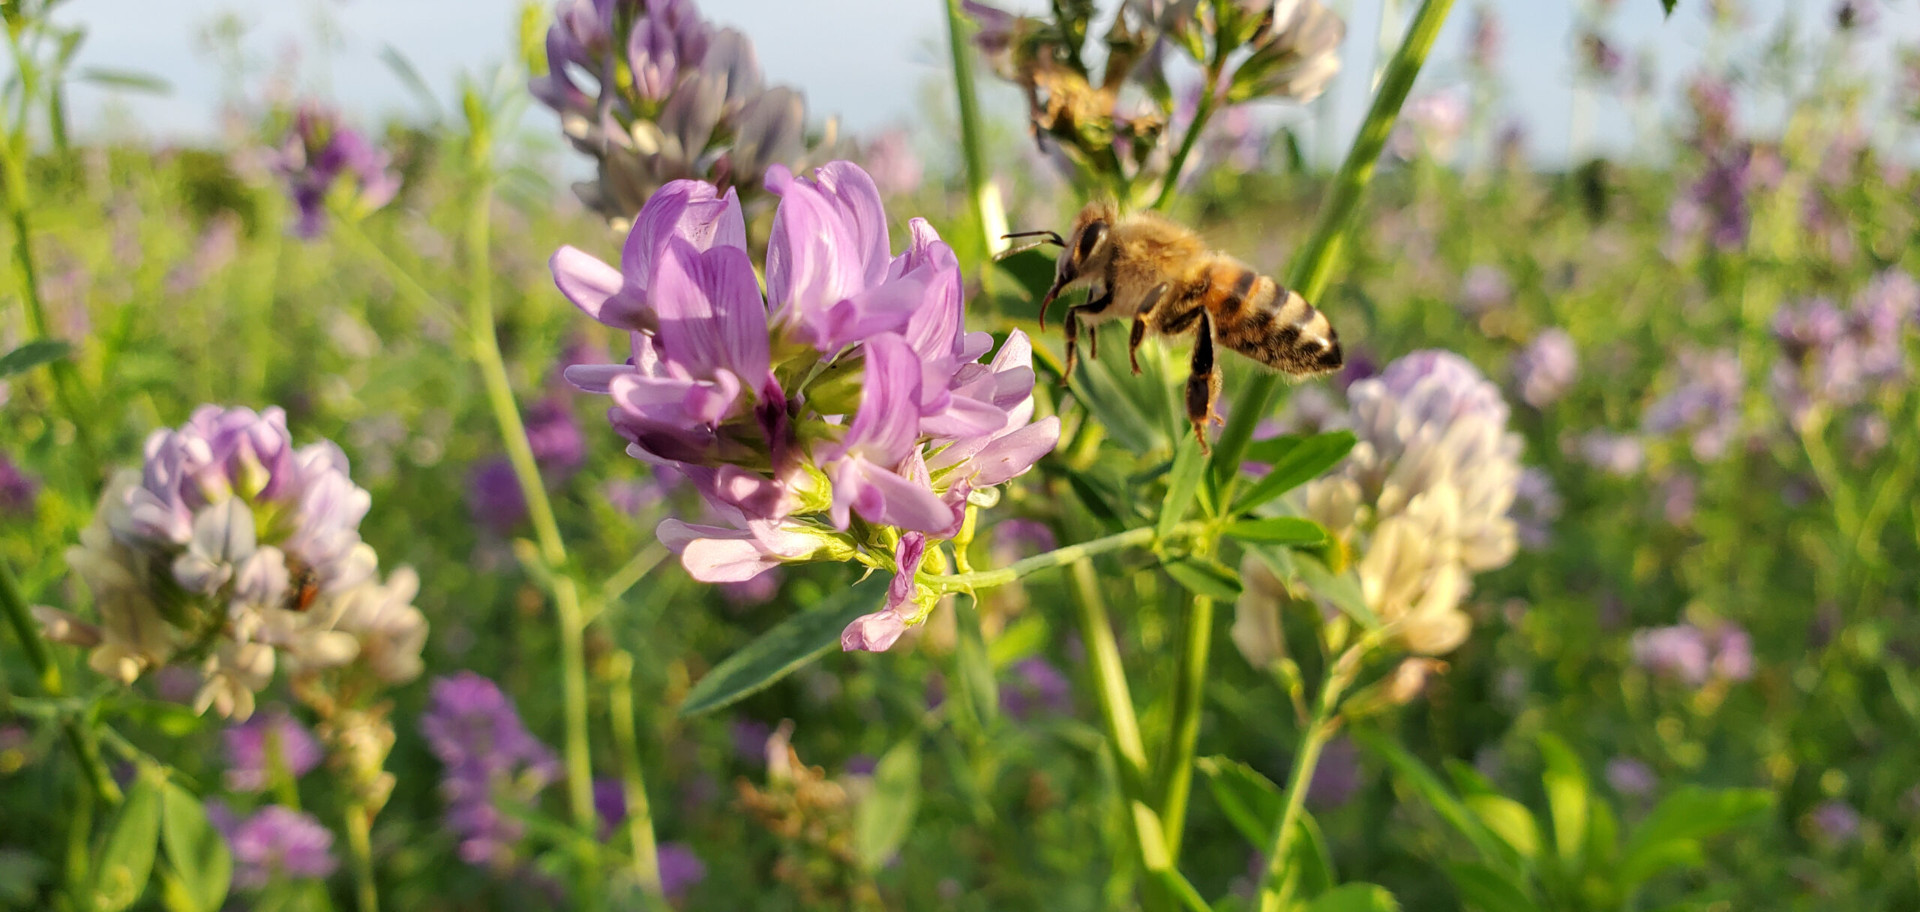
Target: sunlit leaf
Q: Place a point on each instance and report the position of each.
(1567, 796)
(1277, 530)
(1250, 801)
(1671, 833)
(1295, 465)
(125, 861)
(202, 863)
(1183, 483)
(790, 645)
(886, 814)
(1508, 819)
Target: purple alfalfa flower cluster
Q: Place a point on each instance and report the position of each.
(1717, 205)
(846, 415)
(487, 756)
(1693, 655)
(274, 844)
(323, 161)
(1546, 368)
(1703, 400)
(232, 551)
(655, 93)
(1833, 360)
(1113, 120)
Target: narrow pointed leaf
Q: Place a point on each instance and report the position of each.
(1296, 465)
(1483, 889)
(1183, 483)
(1278, 530)
(1567, 796)
(32, 355)
(790, 645)
(1205, 578)
(1355, 897)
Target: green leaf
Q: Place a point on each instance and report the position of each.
(1668, 5)
(1567, 796)
(1508, 819)
(977, 684)
(1415, 775)
(1342, 590)
(1124, 419)
(1672, 832)
(1251, 801)
(125, 861)
(1098, 497)
(886, 815)
(790, 645)
(201, 860)
(1032, 270)
(1486, 890)
(1205, 578)
(126, 80)
(1355, 897)
(32, 355)
(409, 77)
(1297, 464)
(1278, 530)
(1183, 482)
(20, 877)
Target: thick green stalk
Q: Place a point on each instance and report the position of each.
(1174, 779)
(646, 854)
(1313, 264)
(566, 598)
(360, 851)
(1202, 112)
(970, 131)
(1273, 890)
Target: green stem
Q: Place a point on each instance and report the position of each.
(1059, 557)
(1175, 775)
(566, 597)
(1313, 264)
(20, 618)
(360, 851)
(348, 227)
(86, 748)
(970, 130)
(646, 855)
(1202, 113)
(66, 382)
(1274, 892)
(631, 573)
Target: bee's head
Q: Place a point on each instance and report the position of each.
(1084, 254)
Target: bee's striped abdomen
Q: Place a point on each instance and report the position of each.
(1275, 326)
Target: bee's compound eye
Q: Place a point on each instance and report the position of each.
(1091, 237)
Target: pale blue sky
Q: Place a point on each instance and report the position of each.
(871, 62)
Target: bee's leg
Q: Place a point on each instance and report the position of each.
(1203, 382)
(1092, 306)
(1140, 317)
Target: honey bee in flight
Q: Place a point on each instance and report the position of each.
(1165, 277)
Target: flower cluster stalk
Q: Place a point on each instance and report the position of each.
(568, 615)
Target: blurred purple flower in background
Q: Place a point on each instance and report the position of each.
(1536, 504)
(1705, 400)
(1337, 779)
(851, 389)
(1834, 358)
(256, 745)
(494, 498)
(680, 869)
(484, 750)
(1036, 688)
(1431, 125)
(17, 489)
(1486, 38)
(1620, 455)
(1546, 368)
(895, 166)
(275, 844)
(1631, 777)
(1835, 821)
(322, 156)
(1484, 289)
(1695, 656)
(559, 447)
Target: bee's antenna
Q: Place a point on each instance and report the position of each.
(1052, 237)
